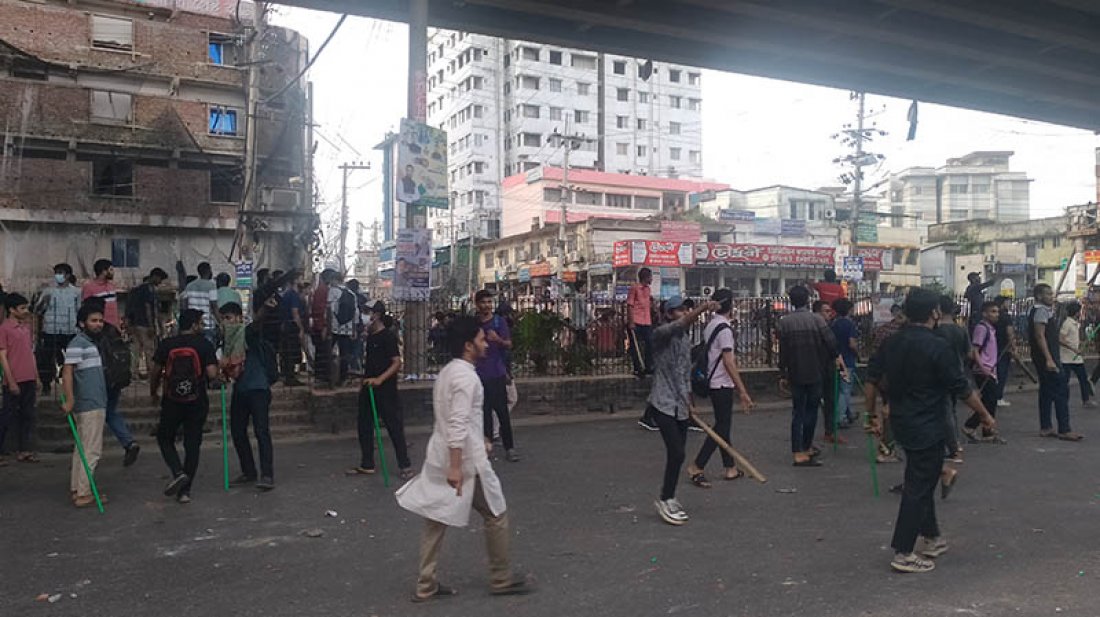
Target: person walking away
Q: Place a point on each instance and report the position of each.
(1069, 349)
(251, 399)
(20, 377)
(578, 315)
(975, 295)
(1043, 334)
(830, 379)
(724, 379)
(830, 290)
(292, 337)
(457, 475)
(984, 343)
(343, 316)
(847, 342)
(185, 363)
(493, 371)
(202, 295)
(639, 320)
(918, 371)
(670, 401)
(226, 294)
(103, 287)
(57, 308)
(142, 321)
(806, 345)
(85, 389)
(958, 341)
(1006, 344)
(383, 365)
(319, 329)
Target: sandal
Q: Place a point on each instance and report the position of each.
(517, 587)
(406, 474)
(27, 457)
(441, 592)
(811, 462)
(700, 480)
(738, 474)
(948, 484)
(360, 471)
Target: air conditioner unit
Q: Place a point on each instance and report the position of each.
(989, 259)
(280, 200)
(830, 214)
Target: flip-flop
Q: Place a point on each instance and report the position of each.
(515, 588)
(360, 471)
(813, 462)
(442, 592)
(700, 480)
(406, 474)
(27, 458)
(947, 487)
(740, 474)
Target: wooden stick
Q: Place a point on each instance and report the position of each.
(634, 347)
(741, 460)
(1025, 369)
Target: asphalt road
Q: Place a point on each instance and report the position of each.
(1023, 524)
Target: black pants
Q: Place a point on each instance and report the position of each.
(722, 400)
(49, 355)
(643, 336)
(290, 351)
(18, 412)
(828, 399)
(1082, 379)
(1004, 364)
(191, 417)
(674, 433)
(917, 513)
(804, 401)
(988, 391)
(346, 346)
(252, 405)
(389, 412)
(496, 400)
(322, 358)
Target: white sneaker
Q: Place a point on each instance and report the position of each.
(1004, 403)
(671, 511)
(911, 563)
(931, 547)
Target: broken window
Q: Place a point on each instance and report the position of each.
(113, 177)
(226, 185)
(112, 106)
(112, 33)
(224, 49)
(126, 253)
(223, 121)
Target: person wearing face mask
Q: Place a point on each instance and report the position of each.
(103, 287)
(57, 308)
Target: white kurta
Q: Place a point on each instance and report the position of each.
(457, 399)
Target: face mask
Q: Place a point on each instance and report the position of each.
(60, 278)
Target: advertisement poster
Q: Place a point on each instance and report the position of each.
(853, 269)
(412, 276)
(652, 253)
(764, 255)
(422, 166)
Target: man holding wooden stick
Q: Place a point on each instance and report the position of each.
(85, 396)
(669, 401)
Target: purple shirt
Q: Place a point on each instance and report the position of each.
(493, 366)
(985, 339)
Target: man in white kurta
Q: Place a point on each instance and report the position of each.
(457, 475)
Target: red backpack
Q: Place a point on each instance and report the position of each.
(183, 375)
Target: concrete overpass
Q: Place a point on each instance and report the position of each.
(1036, 59)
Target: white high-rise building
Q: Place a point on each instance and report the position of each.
(502, 101)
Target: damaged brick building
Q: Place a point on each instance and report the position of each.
(125, 134)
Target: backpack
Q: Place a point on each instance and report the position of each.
(700, 355)
(183, 375)
(345, 307)
(116, 356)
(268, 357)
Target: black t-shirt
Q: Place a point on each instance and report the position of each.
(207, 357)
(381, 349)
(141, 298)
(1001, 329)
(957, 339)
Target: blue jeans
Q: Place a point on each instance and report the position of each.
(116, 422)
(1082, 380)
(804, 401)
(1053, 391)
(844, 408)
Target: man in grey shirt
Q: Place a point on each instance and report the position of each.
(670, 399)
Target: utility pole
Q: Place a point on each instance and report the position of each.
(856, 138)
(857, 183)
(571, 142)
(259, 23)
(345, 168)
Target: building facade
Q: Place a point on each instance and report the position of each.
(504, 102)
(125, 133)
(977, 186)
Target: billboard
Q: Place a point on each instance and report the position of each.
(765, 255)
(412, 276)
(653, 253)
(421, 173)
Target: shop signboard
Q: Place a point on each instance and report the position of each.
(765, 255)
(736, 216)
(653, 253)
(792, 227)
(680, 231)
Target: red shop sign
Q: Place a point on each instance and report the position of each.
(763, 255)
(652, 253)
(872, 258)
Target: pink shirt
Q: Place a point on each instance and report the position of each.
(15, 339)
(639, 302)
(107, 291)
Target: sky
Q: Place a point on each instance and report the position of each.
(756, 132)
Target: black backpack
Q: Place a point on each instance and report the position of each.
(266, 351)
(345, 307)
(116, 357)
(183, 375)
(701, 371)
